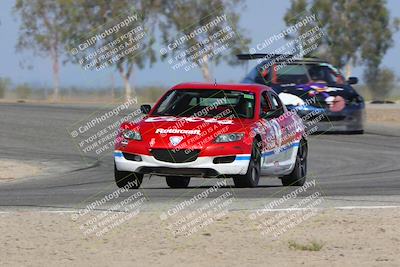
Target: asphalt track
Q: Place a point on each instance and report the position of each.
(365, 167)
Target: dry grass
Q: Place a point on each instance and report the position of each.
(312, 246)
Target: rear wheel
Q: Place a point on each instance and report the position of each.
(177, 181)
(298, 176)
(130, 180)
(251, 178)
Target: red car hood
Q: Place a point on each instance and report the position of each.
(186, 132)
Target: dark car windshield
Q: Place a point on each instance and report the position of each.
(303, 73)
(299, 74)
(207, 103)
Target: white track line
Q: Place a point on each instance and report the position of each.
(365, 207)
(336, 208)
(252, 210)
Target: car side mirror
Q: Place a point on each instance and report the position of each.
(352, 80)
(145, 109)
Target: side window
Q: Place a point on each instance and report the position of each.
(276, 104)
(264, 103)
(336, 76)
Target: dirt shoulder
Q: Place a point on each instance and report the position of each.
(13, 169)
(383, 114)
(329, 238)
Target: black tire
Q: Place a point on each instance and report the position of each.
(298, 176)
(252, 176)
(357, 132)
(131, 180)
(177, 181)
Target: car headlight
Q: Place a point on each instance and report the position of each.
(132, 135)
(232, 137)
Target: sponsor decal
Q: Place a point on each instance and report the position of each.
(278, 133)
(336, 103)
(175, 140)
(248, 96)
(333, 89)
(177, 131)
(188, 119)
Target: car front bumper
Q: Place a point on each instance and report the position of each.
(322, 120)
(201, 167)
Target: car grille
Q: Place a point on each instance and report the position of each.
(175, 156)
(191, 172)
(130, 156)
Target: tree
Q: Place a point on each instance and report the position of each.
(380, 82)
(41, 30)
(187, 20)
(23, 91)
(4, 86)
(379, 39)
(357, 31)
(91, 18)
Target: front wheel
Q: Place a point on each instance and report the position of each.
(177, 181)
(252, 176)
(129, 180)
(298, 176)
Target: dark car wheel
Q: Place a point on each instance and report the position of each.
(130, 180)
(356, 132)
(251, 178)
(298, 176)
(177, 181)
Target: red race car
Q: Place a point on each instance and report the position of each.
(240, 131)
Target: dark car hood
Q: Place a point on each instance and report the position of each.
(320, 90)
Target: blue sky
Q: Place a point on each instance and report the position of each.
(259, 20)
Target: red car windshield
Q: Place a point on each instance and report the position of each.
(206, 103)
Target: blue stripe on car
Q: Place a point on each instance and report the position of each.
(269, 153)
(118, 154)
(242, 157)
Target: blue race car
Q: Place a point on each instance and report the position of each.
(312, 87)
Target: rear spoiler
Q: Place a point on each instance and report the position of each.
(282, 57)
(264, 56)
